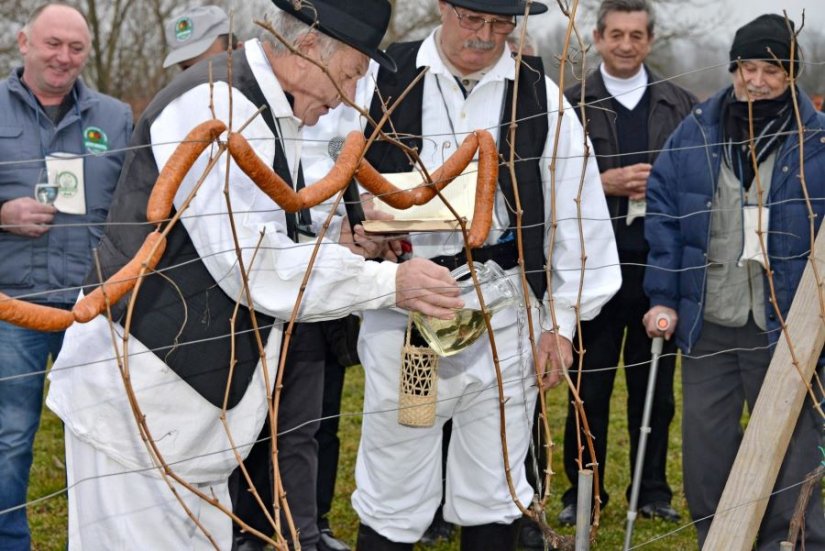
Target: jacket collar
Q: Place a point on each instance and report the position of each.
(709, 112)
(85, 98)
(262, 70)
(596, 91)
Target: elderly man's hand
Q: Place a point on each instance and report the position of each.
(27, 217)
(393, 249)
(629, 181)
(651, 321)
(426, 287)
(555, 355)
(370, 245)
(360, 242)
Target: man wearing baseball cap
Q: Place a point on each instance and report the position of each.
(196, 34)
(202, 367)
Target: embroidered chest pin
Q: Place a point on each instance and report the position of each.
(95, 140)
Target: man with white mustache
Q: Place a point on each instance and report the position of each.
(470, 84)
(708, 195)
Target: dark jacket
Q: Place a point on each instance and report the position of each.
(679, 198)
(52, 266)
(669, 105)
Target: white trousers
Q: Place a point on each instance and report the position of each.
(112, 509)
(398, 469)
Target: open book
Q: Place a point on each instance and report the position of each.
(432, 216)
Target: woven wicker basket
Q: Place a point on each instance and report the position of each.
(418, 384)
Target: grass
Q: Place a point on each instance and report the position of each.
(49, 517)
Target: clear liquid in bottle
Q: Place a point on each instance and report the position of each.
(448, 337)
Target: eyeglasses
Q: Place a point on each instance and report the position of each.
(473, 22)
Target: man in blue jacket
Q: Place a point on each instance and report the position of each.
(54, 129)
(711, 192)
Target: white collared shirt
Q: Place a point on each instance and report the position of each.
(482, 108)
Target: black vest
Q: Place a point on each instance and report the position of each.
(195, 342)
(633, 141)
(531, 136)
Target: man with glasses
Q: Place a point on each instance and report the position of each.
(469, 85)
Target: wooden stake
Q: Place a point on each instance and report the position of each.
(774, 417)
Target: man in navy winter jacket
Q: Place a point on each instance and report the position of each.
(711, 192)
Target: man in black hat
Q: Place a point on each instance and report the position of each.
(470, 84)
(193, 352)
(711, 192)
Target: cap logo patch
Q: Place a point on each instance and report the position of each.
(183, 29)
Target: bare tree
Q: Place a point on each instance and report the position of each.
(411, 20)
(128, 42)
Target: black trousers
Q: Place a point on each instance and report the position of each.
(298, 421)
(724, 372)
(603, 338)
(329, 445)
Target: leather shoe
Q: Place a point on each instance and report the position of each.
(439, 529)
(660, 509)
(328, 542)
(530, 536)
(568, 515)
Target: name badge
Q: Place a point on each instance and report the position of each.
(636, 208)
(66, 172)
(753, 220)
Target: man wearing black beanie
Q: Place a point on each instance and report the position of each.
(732, 169)
(768, 37)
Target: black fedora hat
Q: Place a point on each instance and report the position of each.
(357, 23)
(500, 7)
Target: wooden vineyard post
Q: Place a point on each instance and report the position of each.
(774, 417)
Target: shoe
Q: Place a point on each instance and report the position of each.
(660, 509)
(568, 515)
(530, 536)
(439, 529)
(328, 542)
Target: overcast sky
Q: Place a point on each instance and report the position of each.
(742, 11)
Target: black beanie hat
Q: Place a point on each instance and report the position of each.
(763, 38)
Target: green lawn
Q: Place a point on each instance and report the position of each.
(48, 518)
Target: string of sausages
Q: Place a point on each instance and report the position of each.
(46, 318)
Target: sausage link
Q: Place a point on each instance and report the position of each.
(452, 167)
(32, 316)
(122, 281)
(186, 153)
(485, 189)
(339, 176)
(379, 186)
(264, 177)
